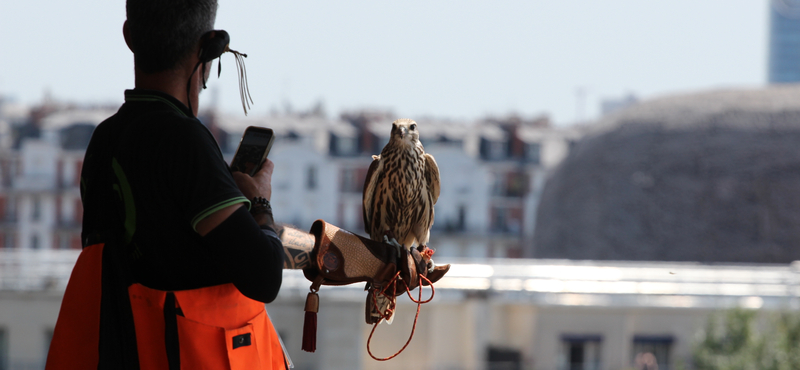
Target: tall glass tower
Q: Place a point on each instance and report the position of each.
(784, 41)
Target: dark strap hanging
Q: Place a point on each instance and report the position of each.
(171, 341)
(117, 336)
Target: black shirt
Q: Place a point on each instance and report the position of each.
(151, 172)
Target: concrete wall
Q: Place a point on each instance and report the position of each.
(505, 306)
(453, 332)
(28, 320)
(617, 327)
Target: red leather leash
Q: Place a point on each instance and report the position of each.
(390, 310)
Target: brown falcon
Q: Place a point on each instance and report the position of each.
(401, 187)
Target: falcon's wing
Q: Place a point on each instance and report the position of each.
(432, 177)
(369, 190)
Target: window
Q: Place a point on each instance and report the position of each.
(516, 184)
(347, 145)
(352, 180)
(76, 136)
(506, 219)
(3, 349)
(348, 183)
(533, 152)
(571, 144)
(498, 219)
(10, 240)
(11, 210)
(652, 352)
(462, 218)
(444, 140)
(78, 212)
(62, 241)
(512, 184)
(48, 337)
(494, 149)
(76, 181)
(36, 213)
(311, 178)
(343, 145)
(35, 241)
(497, 149)
(503, 359)
(458, 223)
(60, 173)
(75, 242)
(5, 171)
(292, 135)
(580, 352)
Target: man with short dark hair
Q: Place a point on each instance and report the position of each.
(161, 42)
(180, 254)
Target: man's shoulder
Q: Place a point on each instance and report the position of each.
(134, 119)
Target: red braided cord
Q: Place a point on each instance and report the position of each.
(393, 284)
(419, 303)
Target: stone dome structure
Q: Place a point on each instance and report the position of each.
(711, 176)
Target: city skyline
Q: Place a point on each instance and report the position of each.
(784, 58)
(447, 59)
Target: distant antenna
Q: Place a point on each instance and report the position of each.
(287, 106)
(580, 103)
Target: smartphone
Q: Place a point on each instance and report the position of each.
(253, 150)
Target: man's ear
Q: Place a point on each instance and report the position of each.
(127, 34)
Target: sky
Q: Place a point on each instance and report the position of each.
(443, 59)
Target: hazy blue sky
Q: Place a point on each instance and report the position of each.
(459, 59)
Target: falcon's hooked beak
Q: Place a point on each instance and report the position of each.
(402, 132)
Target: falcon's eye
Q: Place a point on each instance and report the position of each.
(413, 127)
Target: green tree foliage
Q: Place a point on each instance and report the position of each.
(732, 341)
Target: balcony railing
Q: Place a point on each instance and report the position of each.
(36, 270)
(541, 282)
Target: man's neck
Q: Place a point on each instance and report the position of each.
(172, 82)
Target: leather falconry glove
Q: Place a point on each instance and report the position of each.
(340, 257)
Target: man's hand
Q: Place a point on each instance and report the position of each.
(260, 185)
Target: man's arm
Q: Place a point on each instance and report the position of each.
(259, 185)
(252, 259)
(297, 246)
(244, 243)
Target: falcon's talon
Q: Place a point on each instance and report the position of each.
(393, 242)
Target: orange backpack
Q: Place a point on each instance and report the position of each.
(214, 327)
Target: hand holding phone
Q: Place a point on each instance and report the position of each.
(253, 150)
(259, 185)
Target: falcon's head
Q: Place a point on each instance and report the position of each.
(405, 130)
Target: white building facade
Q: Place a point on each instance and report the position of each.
(485, 210)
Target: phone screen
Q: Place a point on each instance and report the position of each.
(252, 150)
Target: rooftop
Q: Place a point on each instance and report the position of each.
(682, 110)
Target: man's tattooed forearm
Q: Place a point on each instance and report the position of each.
(297, 246)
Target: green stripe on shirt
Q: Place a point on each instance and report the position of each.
(226, 203)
